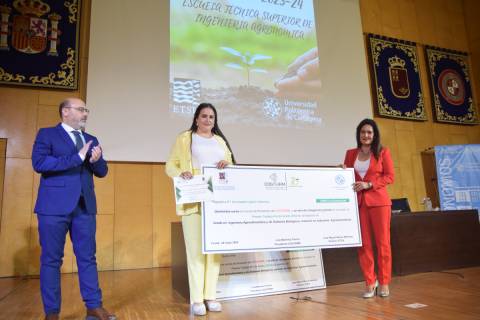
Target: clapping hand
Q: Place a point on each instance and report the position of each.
(84, 150)
(96, 154)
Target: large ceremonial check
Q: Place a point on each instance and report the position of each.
(279, 208)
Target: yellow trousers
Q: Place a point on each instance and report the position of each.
(203, 269)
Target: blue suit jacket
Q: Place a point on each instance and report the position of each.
(64, 175)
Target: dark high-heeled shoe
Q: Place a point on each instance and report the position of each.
(371, 293)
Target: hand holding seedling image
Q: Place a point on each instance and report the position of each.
(303, 75)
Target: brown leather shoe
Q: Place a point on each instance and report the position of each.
(52, 316)
(100, 314)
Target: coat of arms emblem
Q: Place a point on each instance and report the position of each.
(30, 28)
(396, 82)
(398, 77)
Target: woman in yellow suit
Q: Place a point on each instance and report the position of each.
(203, 144)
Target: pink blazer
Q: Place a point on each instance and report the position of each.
(380, 173)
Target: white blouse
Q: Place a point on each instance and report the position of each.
(206, 151)
(361, 167)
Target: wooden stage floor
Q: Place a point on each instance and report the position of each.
(147, 294)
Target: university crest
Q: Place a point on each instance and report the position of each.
(452, 98)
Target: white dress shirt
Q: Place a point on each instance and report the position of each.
(72, 136)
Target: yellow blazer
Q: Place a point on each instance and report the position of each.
(180, 160)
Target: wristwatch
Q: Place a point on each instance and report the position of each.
(370, 185)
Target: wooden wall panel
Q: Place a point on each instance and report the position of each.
(388, 136)
(53, 98)
(34, 250)
(443, 28)
(418, 175)
(3, 149)
(16, 216)
(458, 138)
(371, 13)
(406, 178)
(471, 10)
(459, 36)
(408, 20)
(163, 215)
(425, 82)
(133, 235)
(105, 192)
(395, 190)
(406, 147)
(440, 133)
(17, 123)
(474, 134)
(47, 116)
(34, 246)
(423, 136)
(426, 21)
(105, 243)
(390, 18)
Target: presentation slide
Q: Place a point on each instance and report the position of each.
(256, 60)
(288, 77)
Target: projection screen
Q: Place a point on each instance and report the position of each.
(288, 78)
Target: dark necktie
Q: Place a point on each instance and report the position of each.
(78, 140)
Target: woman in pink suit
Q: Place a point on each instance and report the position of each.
(373, 172)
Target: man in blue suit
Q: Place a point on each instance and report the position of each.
(67, 158)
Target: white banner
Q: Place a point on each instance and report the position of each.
(280, 208)
(252, 274)
(458, 172)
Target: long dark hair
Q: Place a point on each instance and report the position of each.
(215, 130)
(376, 146)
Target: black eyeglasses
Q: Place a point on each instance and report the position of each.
(81, 109)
